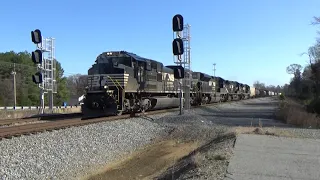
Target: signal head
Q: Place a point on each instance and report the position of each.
(177, 23)
(178, 72)
(37, 56)
(37, 78)
(36, 36)
(177, 46)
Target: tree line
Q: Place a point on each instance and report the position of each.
(27, 92)
(305, 81)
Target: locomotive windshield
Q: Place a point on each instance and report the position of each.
(109, 64)
(114, 60)
(122, 60)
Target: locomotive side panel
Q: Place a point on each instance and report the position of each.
(170, 85)
(132, 82)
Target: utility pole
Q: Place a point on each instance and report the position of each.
(214, 69)
(14, 85)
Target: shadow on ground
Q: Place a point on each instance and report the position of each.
(56, 116)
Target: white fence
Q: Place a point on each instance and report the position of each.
(35, 107)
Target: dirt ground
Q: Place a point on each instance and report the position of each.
(146, 163)
(174, 159)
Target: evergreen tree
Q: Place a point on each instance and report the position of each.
(27, 91)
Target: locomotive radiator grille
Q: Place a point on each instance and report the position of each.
(110, 80)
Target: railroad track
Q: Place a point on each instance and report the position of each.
(16, 121)
(65, 121)
(4, 122)
(27, 129)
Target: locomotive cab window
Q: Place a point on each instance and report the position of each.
(115, 62)
(148, 65)
(159, 67)
(123, 60)
(159, 77)
(154, 65)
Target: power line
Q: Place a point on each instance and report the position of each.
(11, 64)
(18, 64)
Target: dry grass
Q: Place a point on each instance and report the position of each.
(200, 158)
(146, 163)
(294, 113)
(264, 131)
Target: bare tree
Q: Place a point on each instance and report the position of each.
(76, 84)
(316, 22)
(259, 85)
(294, 68)
(307, 73)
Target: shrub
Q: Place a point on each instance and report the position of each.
(281, 97)
(314, 106)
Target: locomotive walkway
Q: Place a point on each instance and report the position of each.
(260, 157)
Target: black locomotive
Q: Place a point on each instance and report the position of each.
(121, 81)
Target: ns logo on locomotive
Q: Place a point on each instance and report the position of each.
(121, 81)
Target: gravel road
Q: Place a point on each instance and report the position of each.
(74, 152)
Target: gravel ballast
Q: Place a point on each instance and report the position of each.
(74, 152)
(64, 154)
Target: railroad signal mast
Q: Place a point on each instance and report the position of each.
(180, 45)
(181, 49)
(45, 76)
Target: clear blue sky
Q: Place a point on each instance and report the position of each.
(249, 40)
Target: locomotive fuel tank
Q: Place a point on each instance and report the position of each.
(164, 102)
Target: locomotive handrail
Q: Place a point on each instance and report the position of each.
(115, 83)
(118, 91)
(118, 97)
(119, 84)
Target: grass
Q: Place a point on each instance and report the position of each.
(294, 113)
(270, 131)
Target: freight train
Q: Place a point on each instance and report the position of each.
(121, 82)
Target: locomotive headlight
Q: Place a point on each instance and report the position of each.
(105, 87)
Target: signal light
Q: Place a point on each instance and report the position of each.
(37, 78)
(37, 56)
(178, 71)
(177, 46)
(177, 23)
(36, 36)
